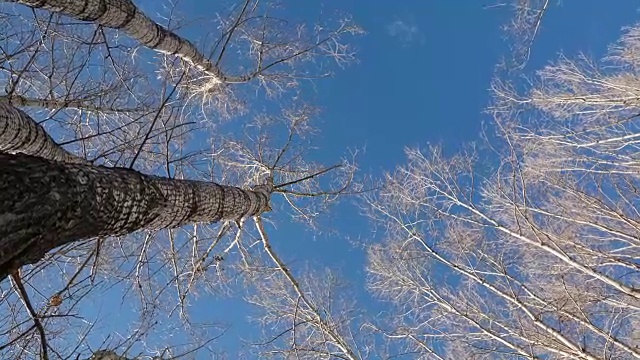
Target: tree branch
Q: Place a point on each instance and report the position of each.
(24, 296)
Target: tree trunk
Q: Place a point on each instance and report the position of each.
(19, 133)
(124, 15)
(45, 204)
(107, 355)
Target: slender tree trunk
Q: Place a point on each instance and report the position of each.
(45, 204)
(55, 104)
(124, 15)
(19, 133)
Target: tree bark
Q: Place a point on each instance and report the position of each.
(19, 133)
(56, 104)
(107, 355)
(124, 15)
(45, 204)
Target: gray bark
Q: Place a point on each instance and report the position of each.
(19, 133)
(107, 355)
(45, 204)
(111, 355)
(124, 15)
(56, 104)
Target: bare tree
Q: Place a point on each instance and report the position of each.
(535, 253)
(129, 125)
(305, 317)
(522, 29)
(125, 16)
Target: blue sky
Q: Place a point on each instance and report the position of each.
(423, 73)
(433, 87)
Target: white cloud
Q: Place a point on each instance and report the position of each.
(405, 32)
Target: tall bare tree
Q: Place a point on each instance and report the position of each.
(129, 125)
(532, 254)
(523, 29)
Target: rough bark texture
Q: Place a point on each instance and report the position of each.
(19, 133)
(124, 15)
(55, 104)
(45, 204)
(107, 355)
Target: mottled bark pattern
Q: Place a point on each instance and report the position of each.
(45, 204)
(19, 133)
(107, 355)
(124, 15)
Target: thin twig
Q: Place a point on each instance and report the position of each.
(155, 118)
(22, 292)
(308, 176)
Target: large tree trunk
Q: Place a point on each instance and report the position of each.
(124, 15)
(19, 133)
(45, 204)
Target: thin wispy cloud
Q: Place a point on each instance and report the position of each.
(405, 32)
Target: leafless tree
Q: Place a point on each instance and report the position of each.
(522, 29)
(108, 108)
(528, 247)
(305, 317)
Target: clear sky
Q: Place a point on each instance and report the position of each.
(423, 73)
